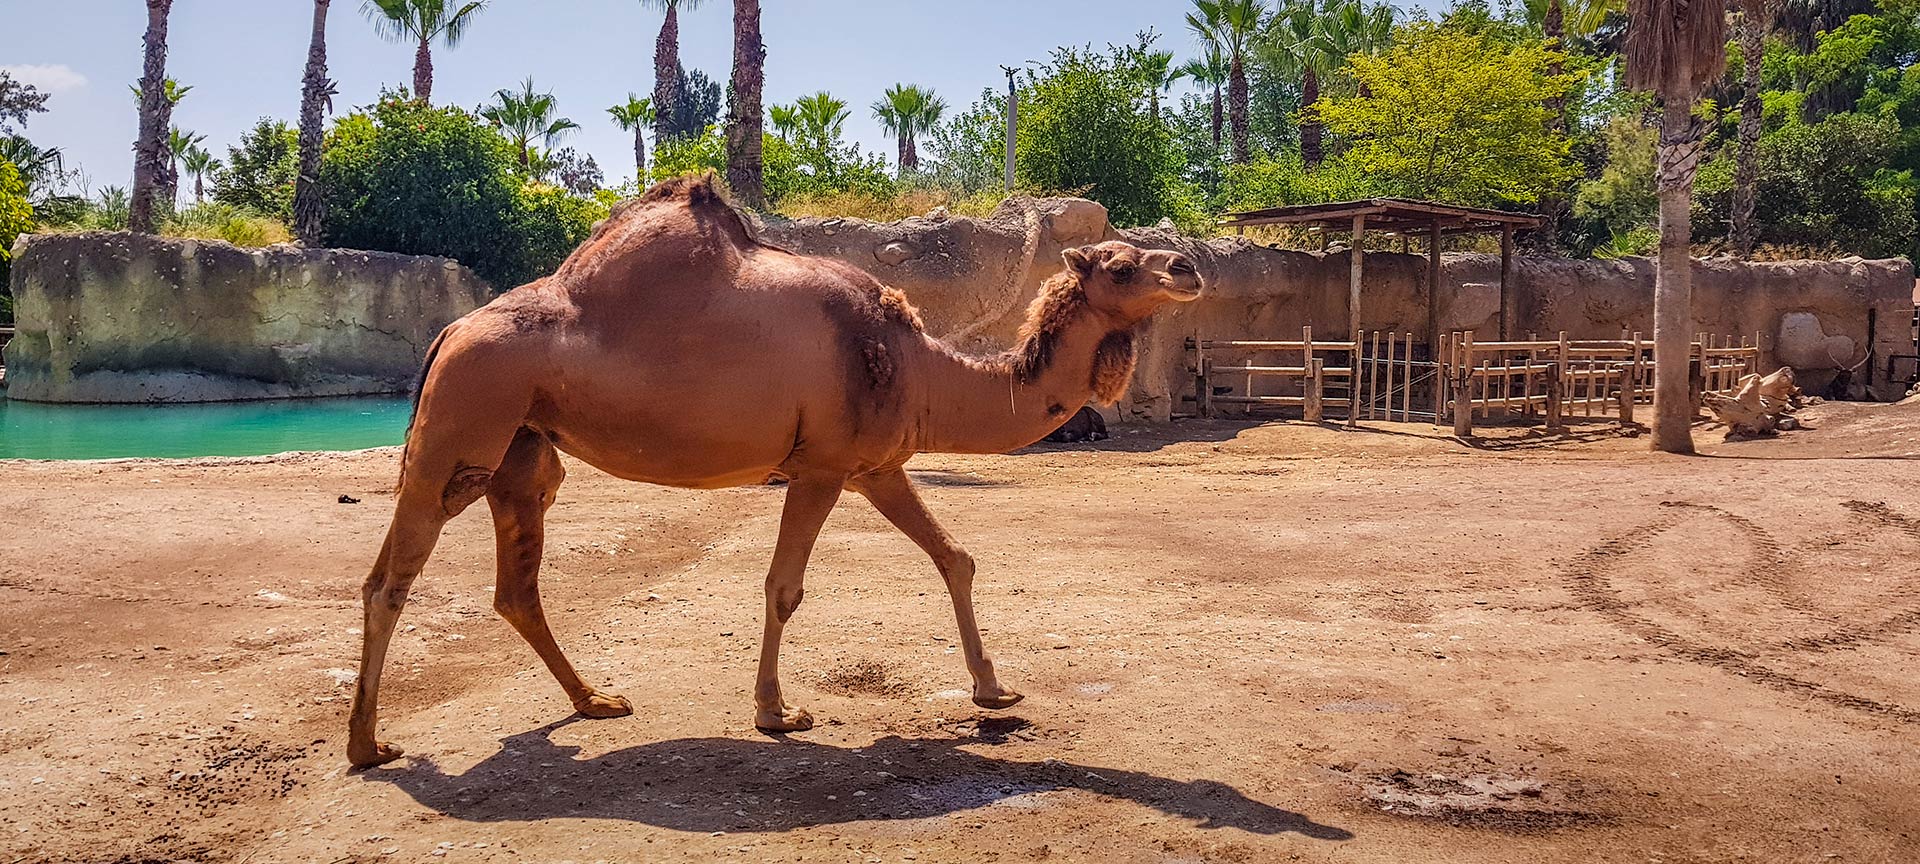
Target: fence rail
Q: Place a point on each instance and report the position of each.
(1386, 374)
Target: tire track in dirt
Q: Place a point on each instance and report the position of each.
(1589, 575)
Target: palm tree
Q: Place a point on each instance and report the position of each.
(420, 22)
(1559, 19)
(1676, 48)
(199, 163)
(527, 116)
(1159, 74)
(814, 121)
(666, 63)
(1751, 31)
(149, 161)
(1210, 70)
(179, 141)
(1230, 25)
(785, 120)
(908, 111)
(316, 96)
(1297, 44)
(635, 115)
(743, 105)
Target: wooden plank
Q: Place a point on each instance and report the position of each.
(1463, 389)
(1261, 400)
(1314, 404)
(1373, 374)
(1406, 386)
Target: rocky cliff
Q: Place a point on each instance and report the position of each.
(120, 317)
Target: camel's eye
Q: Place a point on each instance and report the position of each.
(1123, 272)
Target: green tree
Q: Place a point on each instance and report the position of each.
(1209, 70)
(18, 101)
(1826, 185)
(635, 115)
(179, 142)
(1083, 127)
(199, 163)
(670, 82)
(156, 112)
(1675, 50)
(907, 111)
(1231, 26)
(1455, 116)
(1159, 75)
(261, 170)
(16, 218)
(420, 22)
(1622, 199)
(526, 117)
(406, 177)
(969, 150)
(316, 98)
(696, 106)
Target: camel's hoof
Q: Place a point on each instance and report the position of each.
(996, 701)
(601, 706)
(784, 720)
(381, 755)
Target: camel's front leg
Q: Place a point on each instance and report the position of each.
(809, 500)
(892, 493)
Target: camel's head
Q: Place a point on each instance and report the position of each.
(1129, 282)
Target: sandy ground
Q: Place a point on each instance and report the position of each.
(1261, 643)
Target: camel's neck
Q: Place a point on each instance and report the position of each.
(993, 405)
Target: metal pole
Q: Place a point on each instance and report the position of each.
(1013, 114)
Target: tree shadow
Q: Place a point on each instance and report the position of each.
(779, 783)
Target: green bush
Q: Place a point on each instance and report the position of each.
(411, 178)
(1084, 128)
(260, 172)
(16, 217)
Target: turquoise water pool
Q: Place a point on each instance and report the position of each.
(31, 430)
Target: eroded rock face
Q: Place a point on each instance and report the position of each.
(120, 317)
(973, 278)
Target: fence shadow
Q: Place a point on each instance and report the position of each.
(779, 783)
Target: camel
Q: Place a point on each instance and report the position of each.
(673, 347)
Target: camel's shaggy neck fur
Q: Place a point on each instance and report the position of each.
(1067, 351)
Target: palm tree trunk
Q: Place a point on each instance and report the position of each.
(744, 127)
(666, 74)
(149, 153)
(1312, 146)
(309, 207)
(1237, 108)
(423, 70)
(1746, 167)
(640, 153)
(1673, 409)
(907, 155)
(199, 190)
(1153, 106)
(1218, 118)
(1552, 205)
(167, 190)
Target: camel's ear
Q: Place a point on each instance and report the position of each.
(1081, 259)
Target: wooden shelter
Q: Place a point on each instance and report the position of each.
(1406, 218)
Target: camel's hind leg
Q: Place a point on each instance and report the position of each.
(809, 499)
(892, 493)
(521, 491)
(410, 540)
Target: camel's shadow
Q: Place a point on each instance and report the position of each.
(777, 784)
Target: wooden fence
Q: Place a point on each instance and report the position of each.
(1386, 375)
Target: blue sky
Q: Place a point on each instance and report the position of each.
(245, 57)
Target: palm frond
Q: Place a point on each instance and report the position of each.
(1675, 47)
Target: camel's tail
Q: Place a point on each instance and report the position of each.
(413, 410)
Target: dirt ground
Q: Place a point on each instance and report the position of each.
(1239, 643)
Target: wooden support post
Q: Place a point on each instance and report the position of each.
(1433, 293)
(1560, 389)
(1355, 266)
(1506, 279)
(1442, 351)
(1202, 388)
(1315, 378)
(1463, 387)
(1373, 373)
(1406, 382)
(1386, 407)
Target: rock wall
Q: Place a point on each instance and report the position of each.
(120, 317)
(973, 278)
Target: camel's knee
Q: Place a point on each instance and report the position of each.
(956, 567)
(386, 590)
(786, 598)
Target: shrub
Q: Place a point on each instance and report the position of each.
(1084, 126)
(236, 225)
(551, 223)
(886, 208)
(16, 217)
(411, 178)
(260, 172)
